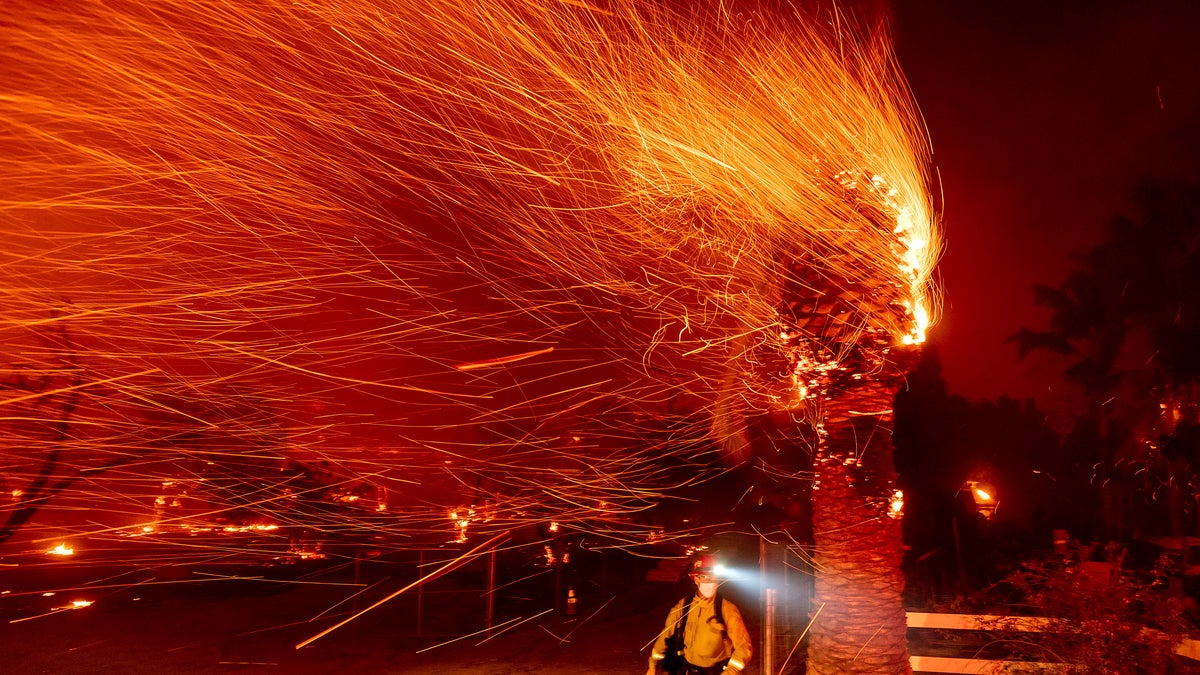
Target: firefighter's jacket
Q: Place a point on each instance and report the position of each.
(705, 640)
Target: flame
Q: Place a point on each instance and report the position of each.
(896, 504)
(261, 527)
(62, 549)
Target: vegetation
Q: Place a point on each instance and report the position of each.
(1103, 625)
(1128, 318)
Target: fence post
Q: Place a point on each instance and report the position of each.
(491, 591)
(420, 591)
(768, 658)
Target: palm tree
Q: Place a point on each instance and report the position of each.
(849, 367)
(862, 625)
(1128, 317)
(547, 208)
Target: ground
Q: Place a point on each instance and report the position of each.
(254, 627)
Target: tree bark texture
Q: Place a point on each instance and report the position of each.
(861, 627)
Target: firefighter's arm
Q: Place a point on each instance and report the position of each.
(735, 628)
(660, 645)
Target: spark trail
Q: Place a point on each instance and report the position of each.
(293, 254)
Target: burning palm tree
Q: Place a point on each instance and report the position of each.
(518, 219)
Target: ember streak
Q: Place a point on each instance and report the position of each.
(349, 267)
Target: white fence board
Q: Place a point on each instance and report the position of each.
(1027, 624)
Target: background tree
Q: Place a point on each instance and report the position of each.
(41, 393)
(944, 440)
(1128, 318)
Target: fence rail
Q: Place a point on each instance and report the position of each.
(986, 622)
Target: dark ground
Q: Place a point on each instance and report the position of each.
(253, 627)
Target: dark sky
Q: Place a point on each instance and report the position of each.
(1043, 116)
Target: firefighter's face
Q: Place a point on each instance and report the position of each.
(706, 584)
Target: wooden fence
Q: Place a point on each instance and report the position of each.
(983, 622)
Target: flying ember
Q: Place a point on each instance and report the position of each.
(284, 270)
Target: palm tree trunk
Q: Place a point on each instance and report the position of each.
(862, 626)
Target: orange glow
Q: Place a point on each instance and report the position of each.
(461, 520)
(896, 505)
(269, 261)
(62, 549)
(250, 528)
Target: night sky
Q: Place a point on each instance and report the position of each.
(1043, 116)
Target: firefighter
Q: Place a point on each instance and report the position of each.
(709, 637)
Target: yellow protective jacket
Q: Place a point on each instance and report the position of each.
(705, 640)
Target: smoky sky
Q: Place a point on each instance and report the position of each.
(1043, 118)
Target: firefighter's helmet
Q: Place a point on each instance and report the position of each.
(704, 565)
